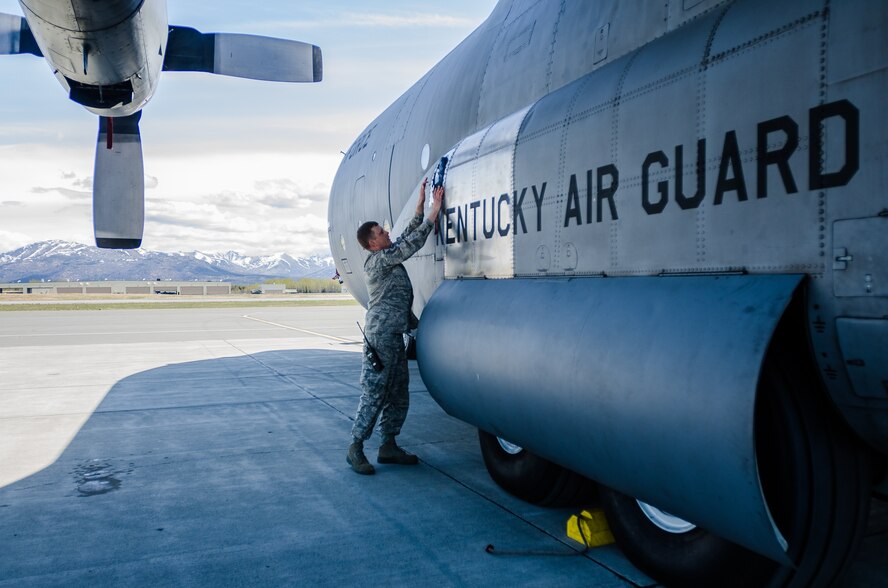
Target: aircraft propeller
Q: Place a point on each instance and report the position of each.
(119, 183)
(242, 56)
(118, 176)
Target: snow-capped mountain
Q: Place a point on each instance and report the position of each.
(63, 260)
(280, 264)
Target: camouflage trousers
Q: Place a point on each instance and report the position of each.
(384, 394)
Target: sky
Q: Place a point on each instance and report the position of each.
(230, 164)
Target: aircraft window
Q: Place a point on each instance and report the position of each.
(424, 158)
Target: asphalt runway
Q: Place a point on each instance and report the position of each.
(206, 447)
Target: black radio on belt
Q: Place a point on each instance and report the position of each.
(373, 357)
(370, 353)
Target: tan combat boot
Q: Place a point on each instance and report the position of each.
(389, 452)
(358, 461)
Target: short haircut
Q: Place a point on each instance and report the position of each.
(365, 231)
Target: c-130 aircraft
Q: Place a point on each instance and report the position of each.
(109, 55)
(661, 266)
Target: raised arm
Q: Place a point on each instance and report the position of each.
(420, 205)
(417, 218)
(411, 242)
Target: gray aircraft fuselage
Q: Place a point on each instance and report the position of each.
(680, 156)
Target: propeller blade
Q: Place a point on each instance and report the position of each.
(16, 36)
(119, 184)
(242, 56)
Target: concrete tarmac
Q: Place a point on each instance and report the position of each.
(206, 447)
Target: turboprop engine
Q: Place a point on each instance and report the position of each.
(109, 56)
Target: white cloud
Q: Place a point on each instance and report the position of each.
(10, 240)
(407, 20)
(378, 20)
(284, 193)
(370, 19)
(255, 203)
(66, 192)
(230, 164)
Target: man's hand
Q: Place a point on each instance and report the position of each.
(437, 201)
(420, 206)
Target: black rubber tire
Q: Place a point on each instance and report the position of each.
(696, 558)
(533, 478)
(816, 479)
(821, 504)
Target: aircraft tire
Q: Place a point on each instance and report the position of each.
(821, 503)
(533, 478)
(692, 558)
(816, 478)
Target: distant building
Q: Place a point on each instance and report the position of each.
(119, 287)
(273, 288)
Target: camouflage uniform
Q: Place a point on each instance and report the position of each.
(389, 316)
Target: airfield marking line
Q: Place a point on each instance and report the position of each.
(288, 378)
(259, 320)
(131, 333)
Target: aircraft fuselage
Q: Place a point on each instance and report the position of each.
(621, 159)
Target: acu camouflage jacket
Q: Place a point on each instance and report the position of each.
(391, 293)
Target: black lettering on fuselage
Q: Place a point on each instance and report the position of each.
(538, 199)
(730, 158)
(503, 231)
(657, 207)
(606, 193)
(779, 157)
(840, 118)
(518, 211)
(448, 226)
(474, 206)
(688, 202)
(572, 210)
(817, 178)
(488, 233)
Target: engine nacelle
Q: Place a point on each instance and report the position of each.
(109, 60)
(642, 392)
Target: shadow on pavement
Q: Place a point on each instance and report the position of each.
(232, 471)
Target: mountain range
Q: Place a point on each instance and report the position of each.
(63, 260)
